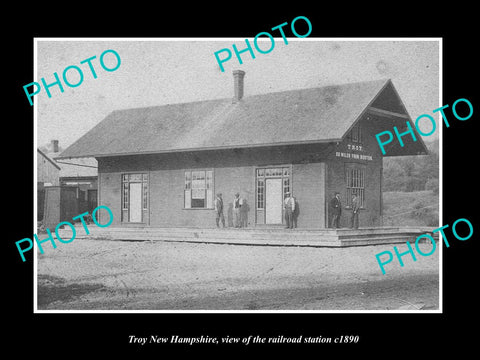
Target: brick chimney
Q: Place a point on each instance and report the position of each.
(238, 85)
(55, 146)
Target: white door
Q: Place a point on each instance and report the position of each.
(135, 202)
(273, 201)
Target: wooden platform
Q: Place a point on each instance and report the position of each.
(256, 236)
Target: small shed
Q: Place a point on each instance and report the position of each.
(48, 174)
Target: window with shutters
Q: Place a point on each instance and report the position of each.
(355, 135)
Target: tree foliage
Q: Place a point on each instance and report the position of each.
(412, 173)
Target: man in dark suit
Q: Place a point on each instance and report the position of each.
(336, 206)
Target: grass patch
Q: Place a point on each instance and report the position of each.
(416, 208)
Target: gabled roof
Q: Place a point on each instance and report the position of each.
(313, 115)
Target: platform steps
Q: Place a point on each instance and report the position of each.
(254, 236)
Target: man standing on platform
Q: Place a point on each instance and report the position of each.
(237, 215)
(219, 210)
(336, 210)
(289, 206)
(355, 208)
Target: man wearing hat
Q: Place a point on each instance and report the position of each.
(237, 204)
(355, 208)
(289, 206)
(219, 210)
(336, 210)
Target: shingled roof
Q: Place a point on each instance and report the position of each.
(322, 114)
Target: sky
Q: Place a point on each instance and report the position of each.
(165, 71)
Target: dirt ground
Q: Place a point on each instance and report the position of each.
(157, 275)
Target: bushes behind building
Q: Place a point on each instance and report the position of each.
(412, 173)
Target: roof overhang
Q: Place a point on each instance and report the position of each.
(244, 146)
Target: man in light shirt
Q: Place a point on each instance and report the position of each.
(237, 215)
(289, 206)
(355, 209)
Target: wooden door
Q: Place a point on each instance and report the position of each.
(273, 201)
(135, 202)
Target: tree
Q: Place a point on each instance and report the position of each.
(411, 173)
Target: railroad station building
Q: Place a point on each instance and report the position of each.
(161, 166)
